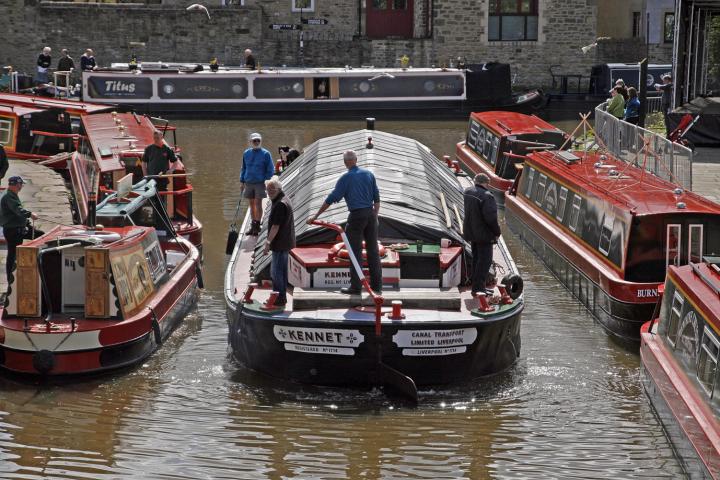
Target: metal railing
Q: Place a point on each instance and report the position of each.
(665, 159)
(654, 104)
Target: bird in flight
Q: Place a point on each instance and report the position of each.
(196, 7)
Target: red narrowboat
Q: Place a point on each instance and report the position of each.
(495, 141)
(87, 300)
(608, 230)
(111, 149)
(680, 352)
(37, 128)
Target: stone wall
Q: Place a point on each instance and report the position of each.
(167, 32)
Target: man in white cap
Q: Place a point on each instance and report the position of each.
(257, 167)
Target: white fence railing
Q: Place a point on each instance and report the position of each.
(665, 159)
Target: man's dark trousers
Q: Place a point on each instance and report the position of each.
(14, 236)
(362, 224)
(482, 255)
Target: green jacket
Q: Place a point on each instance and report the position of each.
(616, 107)
(12, 213)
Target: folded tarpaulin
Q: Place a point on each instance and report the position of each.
(706, 131)
(410, 179)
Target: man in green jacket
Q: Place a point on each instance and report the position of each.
(616, 107)
(14, 220)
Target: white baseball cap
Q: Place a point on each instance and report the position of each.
(255, 136)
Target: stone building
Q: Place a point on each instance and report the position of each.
(531, 35)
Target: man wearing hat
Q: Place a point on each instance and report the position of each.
(257, 167)
(14, 220)
(667, 92)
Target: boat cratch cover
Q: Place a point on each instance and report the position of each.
(411, 203)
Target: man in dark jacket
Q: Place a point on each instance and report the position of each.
(14, 220)
(158, 159)
(667, 93)
(281, 237)
(481, 229)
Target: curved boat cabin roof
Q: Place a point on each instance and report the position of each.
(504, 123)
(700, 283)
(71, 106)
(415, 189)
(625, 186)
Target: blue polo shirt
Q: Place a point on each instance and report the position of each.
(358, 187)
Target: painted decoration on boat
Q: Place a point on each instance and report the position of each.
(133, 279)
(195, 87)
(435, 342)
(156, 262)
(409, 86)
(129, 86)
(332, 341)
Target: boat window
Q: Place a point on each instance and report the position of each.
(675, 315)
(561, 204)
(473, 132)
(695, 244)
(645, 258)
(606, 234)
(480, 141)
(575, 212)
(494, 151)
(529, 185)
(540, 193)
(672, 245)
(687, 339)
(5, 132)
(488, 145)
(708, 361)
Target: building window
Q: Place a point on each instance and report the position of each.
(669, 27)
(513, 20)
(303, 5)
(5, 131)
(637, 25)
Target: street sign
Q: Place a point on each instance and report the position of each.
(315, 21)
(285, 26)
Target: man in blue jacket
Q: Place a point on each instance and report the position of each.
(256, 168)
(359, 189)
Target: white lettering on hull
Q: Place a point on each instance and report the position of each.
(333, 341)
(294, 347)
(430, 352)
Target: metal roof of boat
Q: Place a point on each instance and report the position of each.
(17, 110)
(139, 195)
(631, 188)
(109, 142)
(46, 102)
(410, 179)
(513, 123)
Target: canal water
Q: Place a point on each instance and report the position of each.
(572, 407)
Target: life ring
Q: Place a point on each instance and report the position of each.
(513, 284)
(339, 251)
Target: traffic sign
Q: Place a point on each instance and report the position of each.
(315, 21)
(285, 26)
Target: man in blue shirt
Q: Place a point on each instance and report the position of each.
(256, 168)
(359, 189)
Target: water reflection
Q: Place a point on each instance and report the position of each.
(572, 407)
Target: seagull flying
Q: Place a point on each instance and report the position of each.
(196, 7)
(587, 48)
(381, 75)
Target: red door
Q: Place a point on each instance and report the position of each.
(389, 18)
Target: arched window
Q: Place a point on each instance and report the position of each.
(513, 20)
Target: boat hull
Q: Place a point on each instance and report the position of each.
(257, 343)
(621, 319)
(677, 405)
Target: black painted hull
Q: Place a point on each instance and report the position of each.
(255, 345)
(337, 109)
(621, 320)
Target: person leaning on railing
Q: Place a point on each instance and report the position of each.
(616, 107)
(632, 107)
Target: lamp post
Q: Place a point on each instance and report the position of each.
(302, 43)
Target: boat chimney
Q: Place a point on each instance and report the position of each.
(370, 123)
(91, 204)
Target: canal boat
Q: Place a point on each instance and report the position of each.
(38, 128)
(87, 300)
(608, 230)
(111, 148)
(424, 329)
(680, 352)
(196, 89)
(495, 141)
